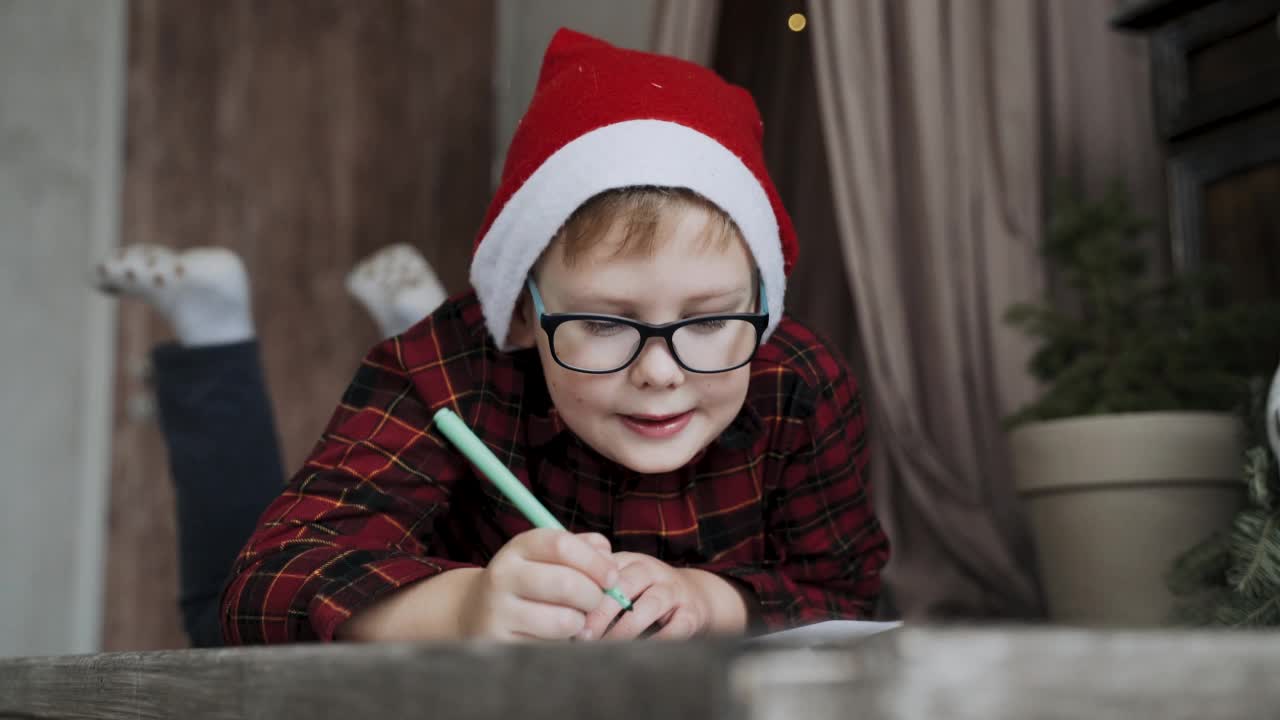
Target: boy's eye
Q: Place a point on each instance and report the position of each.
(709, 325)
(602, 327)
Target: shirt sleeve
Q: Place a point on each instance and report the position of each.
(824, 544)
(352, 524)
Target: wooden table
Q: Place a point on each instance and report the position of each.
(912, 673)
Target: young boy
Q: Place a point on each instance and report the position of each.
(625, 354)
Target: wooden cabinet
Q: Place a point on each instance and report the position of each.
(1215, 68)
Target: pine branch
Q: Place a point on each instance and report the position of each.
(1201, 609)
(1259, 477)
(1265, 612)
(1255, 545)
(1204, 565)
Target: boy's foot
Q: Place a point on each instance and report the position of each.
(397, 287)
(203, 292)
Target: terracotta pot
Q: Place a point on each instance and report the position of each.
(1113, 499)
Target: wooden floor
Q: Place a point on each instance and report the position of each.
(303, 134)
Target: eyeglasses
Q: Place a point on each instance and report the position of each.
(601, 344)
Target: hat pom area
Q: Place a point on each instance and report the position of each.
(605, 118)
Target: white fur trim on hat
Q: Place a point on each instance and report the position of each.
(625, 154)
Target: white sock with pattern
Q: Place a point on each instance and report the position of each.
(397, 287)
(203, 292)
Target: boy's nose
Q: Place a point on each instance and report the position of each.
(656, 367)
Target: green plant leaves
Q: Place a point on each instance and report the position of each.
(1133, 344)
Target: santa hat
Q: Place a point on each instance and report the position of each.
(604, 118)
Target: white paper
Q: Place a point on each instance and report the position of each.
(830, 631)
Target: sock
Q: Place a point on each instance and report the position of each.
(203, 292)
(397, 287)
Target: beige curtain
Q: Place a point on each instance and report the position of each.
(1099, 124)
(685, 29)
(943, 122)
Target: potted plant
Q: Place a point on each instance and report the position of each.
(1133, 452)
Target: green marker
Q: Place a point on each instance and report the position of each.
(452, 427)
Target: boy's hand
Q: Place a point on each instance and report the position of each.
(541, 585)
(674, 599)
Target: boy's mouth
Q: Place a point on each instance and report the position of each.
(657, 426)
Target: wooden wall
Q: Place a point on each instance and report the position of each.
(303, 134)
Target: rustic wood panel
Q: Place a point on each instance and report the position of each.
(303, 134)
(530, 682)
(1019, 674)
(909, 674)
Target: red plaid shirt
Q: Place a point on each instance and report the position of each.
(778, 501)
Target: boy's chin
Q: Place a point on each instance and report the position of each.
(653, 461)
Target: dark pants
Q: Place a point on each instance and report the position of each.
(225, 459)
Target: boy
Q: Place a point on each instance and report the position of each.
(625, 354)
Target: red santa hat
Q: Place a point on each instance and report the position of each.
(604, 118)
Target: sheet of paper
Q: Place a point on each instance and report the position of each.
(830, 631)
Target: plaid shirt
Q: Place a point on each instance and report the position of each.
(778, 501)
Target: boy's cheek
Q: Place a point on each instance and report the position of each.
(725, 394)
(576, 391)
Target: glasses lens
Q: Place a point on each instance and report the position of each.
(715, 344)
(595, 345)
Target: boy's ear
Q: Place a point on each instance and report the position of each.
(522, 334)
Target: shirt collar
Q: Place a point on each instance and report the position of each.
(743, 431)
(543, 428)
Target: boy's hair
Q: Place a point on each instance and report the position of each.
(639, 210)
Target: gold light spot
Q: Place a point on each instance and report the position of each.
(797, 22)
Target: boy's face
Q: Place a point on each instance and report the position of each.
(652, 416)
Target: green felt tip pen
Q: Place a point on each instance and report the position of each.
(452, 427)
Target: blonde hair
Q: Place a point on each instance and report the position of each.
(639, 210)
